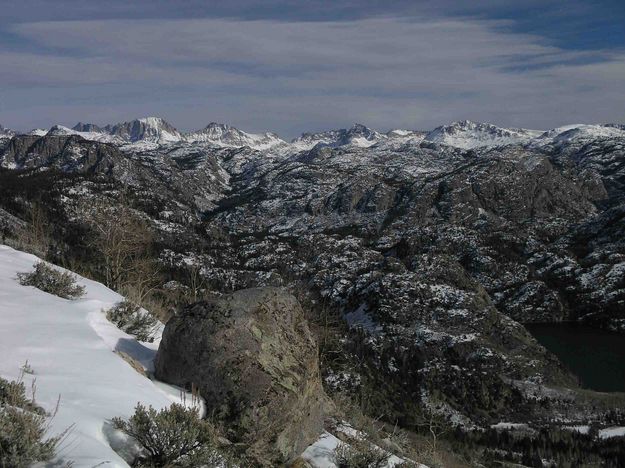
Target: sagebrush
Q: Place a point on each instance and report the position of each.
(360, 455)
(23, 428)
(49, 279)
(129, 317)
(172, 437)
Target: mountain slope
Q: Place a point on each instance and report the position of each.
(68, 153)
(74, 354)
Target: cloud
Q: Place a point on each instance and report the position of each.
(291, 76)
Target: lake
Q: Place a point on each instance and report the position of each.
(596, 356)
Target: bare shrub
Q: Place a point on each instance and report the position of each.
(35, 235)
(129, 317)
(142, 278)
(53, 281)
(436, 426)
(360, 454)
(173, 437)
(123, 239)
(196, 282)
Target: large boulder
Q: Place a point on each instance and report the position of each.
(255, 363)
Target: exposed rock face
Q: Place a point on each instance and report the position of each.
(87, 127)
(148, 129)
(254, 361)
(66, 153)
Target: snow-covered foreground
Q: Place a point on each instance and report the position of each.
(69, 345)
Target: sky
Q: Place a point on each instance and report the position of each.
(291, 66)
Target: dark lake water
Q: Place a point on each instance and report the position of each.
(596, 356)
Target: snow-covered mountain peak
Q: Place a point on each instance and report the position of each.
(218, 126)
(155, 122)
(360, 129)
(468, 134)
(87, 131)
(570, 133)
(228, 136)
(358, 135)
(152, 132)
(149, 129)
(213, 131)
(60, 130)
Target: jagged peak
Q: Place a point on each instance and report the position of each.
(219, 125)
(154, 121)
(87, 127)
(358, 127)
(155, 129)
(58, 129)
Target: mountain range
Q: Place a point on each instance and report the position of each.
(461, 134)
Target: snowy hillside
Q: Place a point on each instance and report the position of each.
(73, 351)
(71, 348)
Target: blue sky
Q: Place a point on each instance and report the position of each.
(291, 66)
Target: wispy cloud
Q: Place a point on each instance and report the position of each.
(291, 76)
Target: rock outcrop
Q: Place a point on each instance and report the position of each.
(255, 363)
